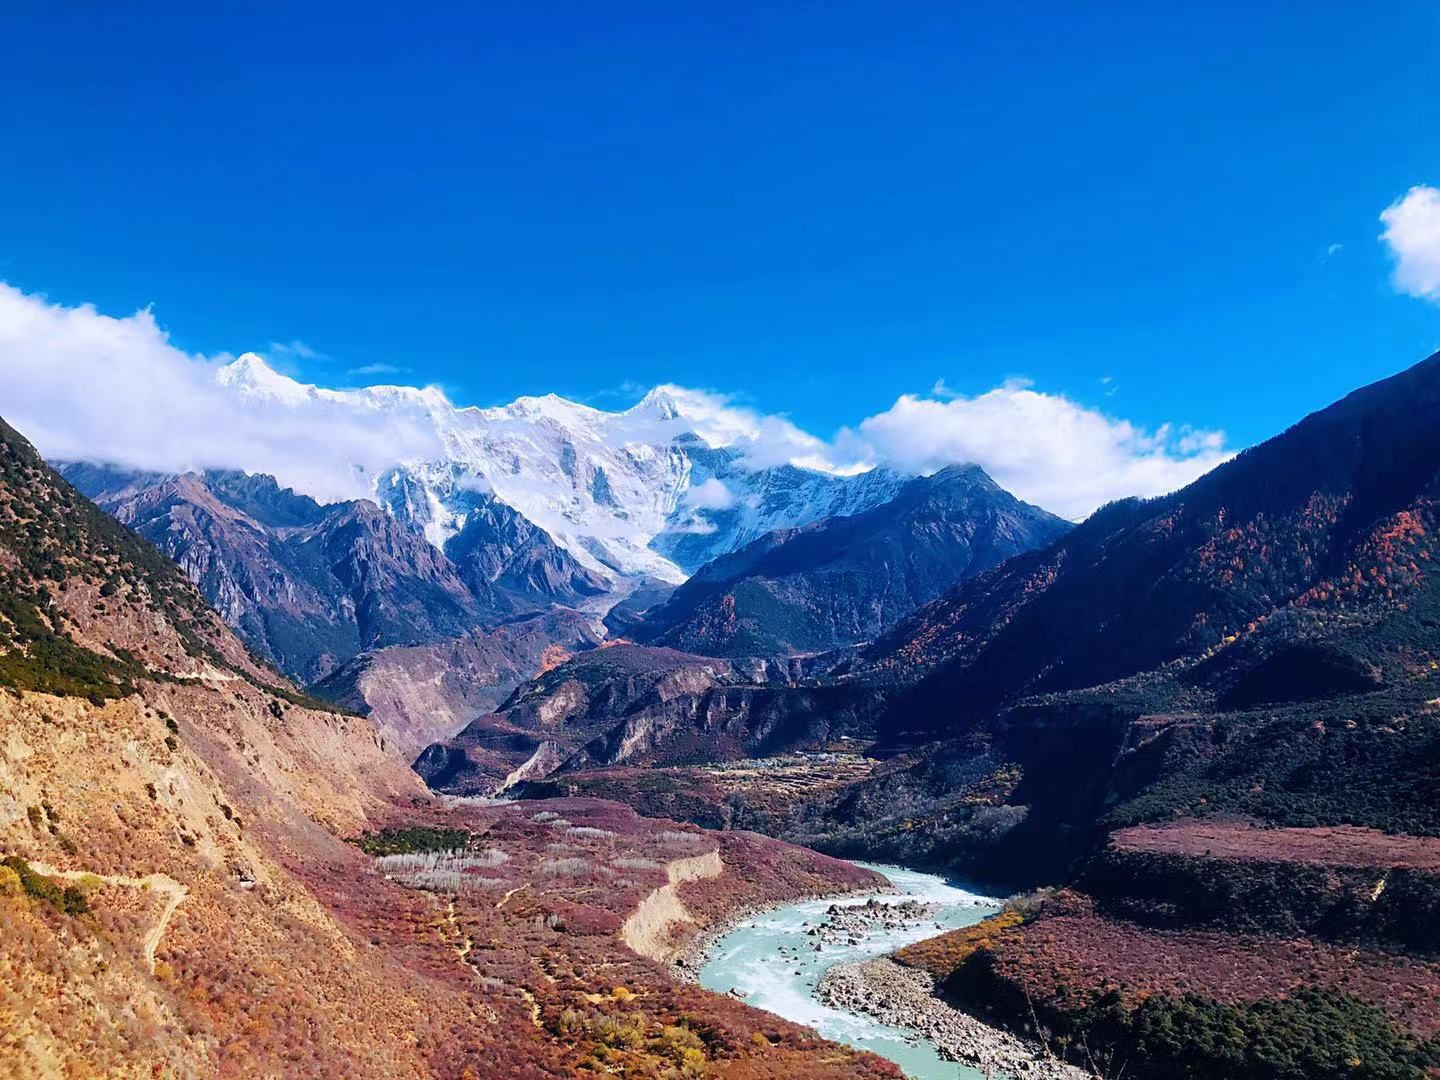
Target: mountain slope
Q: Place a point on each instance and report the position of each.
(416, 694)
(636, 705)
(1214, 714)
(141, 742)
(310, 586)
(511, 563)
(1332, 520)
(1259, 643)
(844, 579)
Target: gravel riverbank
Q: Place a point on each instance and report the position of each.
(906, 998)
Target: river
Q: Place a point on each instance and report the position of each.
(748, 959)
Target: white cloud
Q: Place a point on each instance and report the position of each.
(87, 386)
(299, 350)
(368, 370)
(766, 438)
(1412, 231)
(711, 494)
(1044, 448)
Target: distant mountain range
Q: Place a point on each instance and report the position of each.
(310, 586)
(541, 506)
(844, 579)
(822, 587)
(641, 493)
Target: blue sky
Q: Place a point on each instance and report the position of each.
(1170, 216)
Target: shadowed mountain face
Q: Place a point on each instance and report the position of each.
(309, 586)
(755, 502)
(508, 561)
(844, 579)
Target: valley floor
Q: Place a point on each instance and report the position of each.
(177, 899)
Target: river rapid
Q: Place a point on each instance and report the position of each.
(772, 961)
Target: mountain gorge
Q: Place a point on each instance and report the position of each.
(822, 541)
(179, 896)
(1209, 716)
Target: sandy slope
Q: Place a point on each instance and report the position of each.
(648, 930)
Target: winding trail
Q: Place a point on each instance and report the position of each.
(164, 884)
(464, 945)
(532, 1004)
(648, 930)
(506, 898)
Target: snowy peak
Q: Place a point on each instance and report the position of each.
(659, 403)
(255, 380)
(646, 492)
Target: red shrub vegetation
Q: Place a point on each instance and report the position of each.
(1071, 953)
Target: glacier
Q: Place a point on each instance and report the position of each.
(651, 492)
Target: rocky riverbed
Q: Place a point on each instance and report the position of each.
(852, 923)
(905, 997)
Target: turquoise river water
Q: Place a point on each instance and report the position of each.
(748, 960)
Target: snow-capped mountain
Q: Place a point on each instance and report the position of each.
(647, 492)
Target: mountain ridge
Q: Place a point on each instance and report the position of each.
(843, 579)
(1258, 643)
